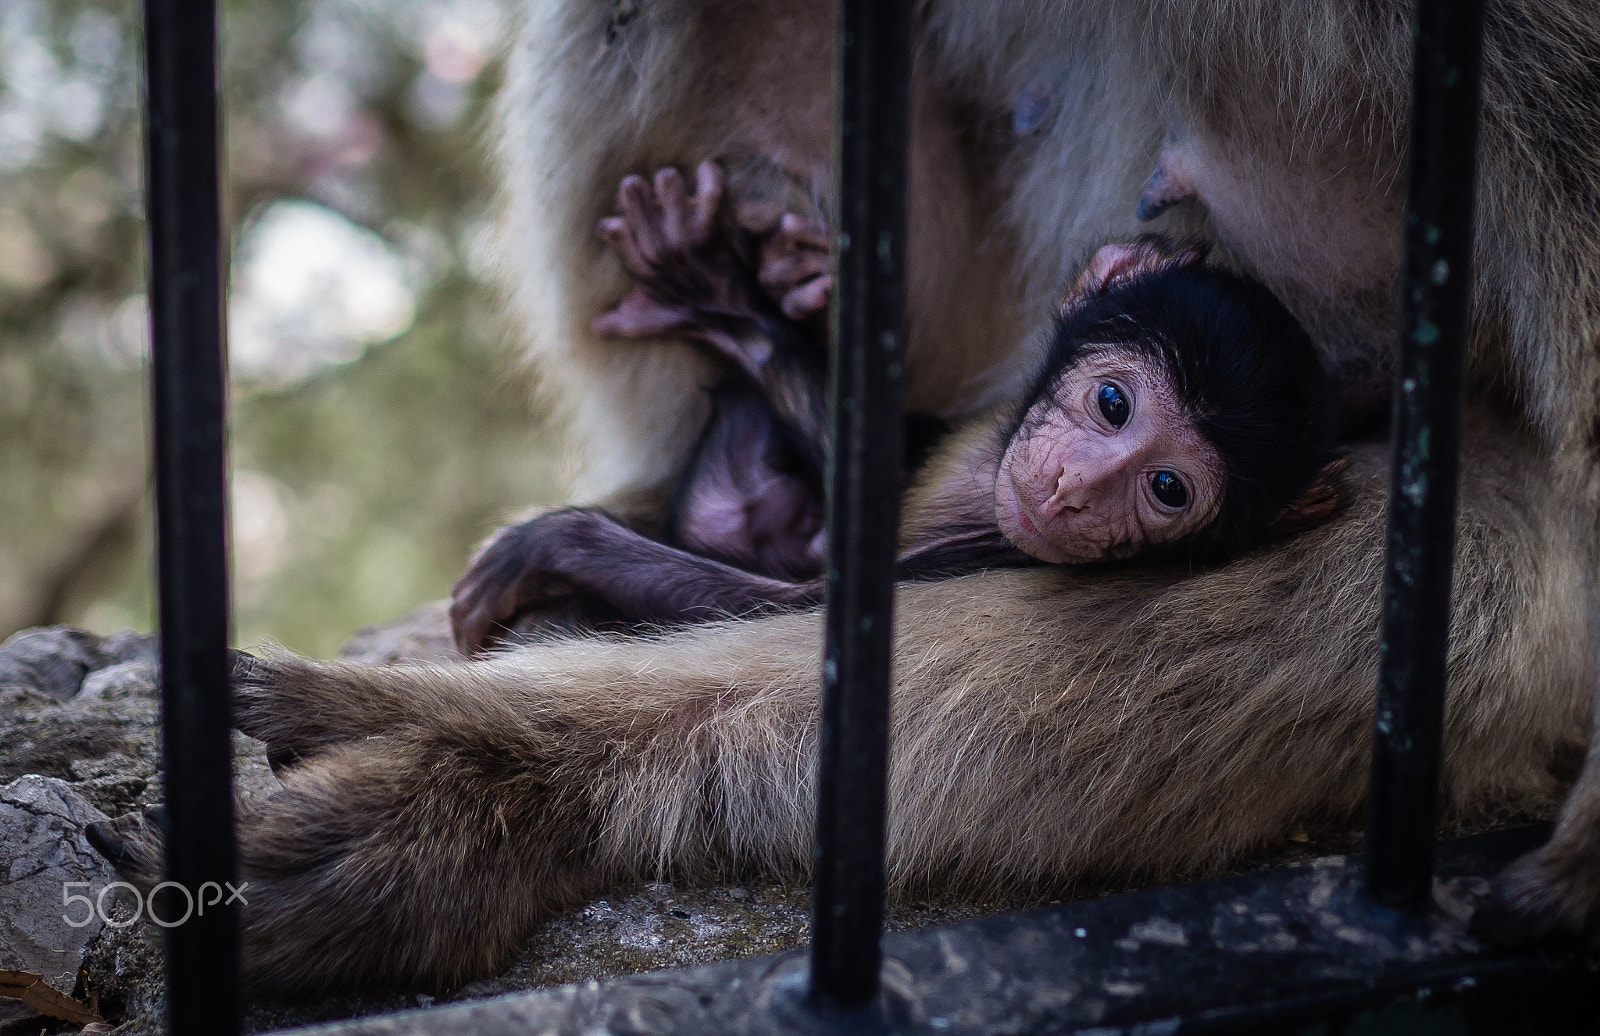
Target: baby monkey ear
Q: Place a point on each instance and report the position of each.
(1318, 503)
(1123, 261)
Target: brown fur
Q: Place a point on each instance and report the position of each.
(1053, 727)
(1048, 725)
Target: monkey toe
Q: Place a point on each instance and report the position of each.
(807, 299)
(254, 704)
(134, 844)
(102, 835)
(241, 666)
(283, 701)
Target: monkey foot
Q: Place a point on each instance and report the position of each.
(1548, 893)
(267, 707)
(796, 269)
(135, 844)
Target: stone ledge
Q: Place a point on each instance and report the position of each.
(1289, 950)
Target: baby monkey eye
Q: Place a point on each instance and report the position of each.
(1113, 405)
(1169, 489)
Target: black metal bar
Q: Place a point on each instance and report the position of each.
(865, 404)
(189, 390)
(1427, 439)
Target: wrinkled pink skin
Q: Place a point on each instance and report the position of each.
(1073, 488)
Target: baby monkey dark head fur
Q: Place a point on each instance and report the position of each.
(1241, 370)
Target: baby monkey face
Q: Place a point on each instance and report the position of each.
(1106, 463)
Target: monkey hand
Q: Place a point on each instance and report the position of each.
(796, 269)
(520, 569)
(683, 267)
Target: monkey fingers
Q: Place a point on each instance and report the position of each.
(135, 844)
(513, 573)
(687, 223)
(299, 709)
(659, 224)
(636, 233)
(796, 269)
(641, 315)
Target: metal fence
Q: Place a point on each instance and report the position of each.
(189, 392)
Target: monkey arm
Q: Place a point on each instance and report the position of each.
(961, 549)
(947, 525)
(588, 553)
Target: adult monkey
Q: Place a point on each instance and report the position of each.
(1049, 724)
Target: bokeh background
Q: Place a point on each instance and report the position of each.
(381, 424)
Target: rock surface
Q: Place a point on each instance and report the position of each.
(55, 661)
(46, 859)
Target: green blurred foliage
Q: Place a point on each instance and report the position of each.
(366, 462)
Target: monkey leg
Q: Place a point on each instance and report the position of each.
(1049, 726)
(424, 854)
(468, 831)
(1554, 890)
(422, 857)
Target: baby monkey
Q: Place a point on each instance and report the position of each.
(1181, 412)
